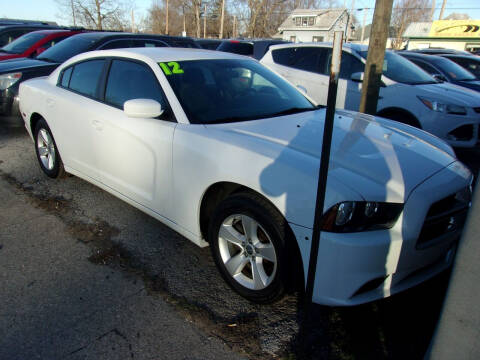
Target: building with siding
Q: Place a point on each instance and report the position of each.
(307, 25)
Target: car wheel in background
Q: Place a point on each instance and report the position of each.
(47, 153)
(248, 240)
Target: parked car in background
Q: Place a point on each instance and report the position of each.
(34, 43)
(443, 69)
(254, 48)
(8, 33)
(234, 165)
(408, 94)
(440, 51)
(470, 63)
(208, 44)
(13, 72)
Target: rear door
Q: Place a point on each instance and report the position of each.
(74, 108)
(135, 153)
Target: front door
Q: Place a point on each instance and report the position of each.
(136, 153)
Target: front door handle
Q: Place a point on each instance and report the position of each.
(97, 124)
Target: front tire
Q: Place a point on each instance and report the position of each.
(47, 153)
(248, 240)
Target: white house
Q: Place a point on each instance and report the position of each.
(306, 25)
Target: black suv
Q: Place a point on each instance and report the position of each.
(253, 48)
(8, 33)
(13, 72)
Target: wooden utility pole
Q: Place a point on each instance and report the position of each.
(220, 36)
(365, 12)
(205, 22)
(376, 53)
(442, 10)
(197, 16)
(166, 20)
(433, 10)
(184, 28)
(348, 35)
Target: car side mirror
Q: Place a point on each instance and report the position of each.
(142, 108)
(357, 77)
(439, 78)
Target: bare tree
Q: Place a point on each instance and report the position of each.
(458, 16)
(404, 13)
(97, 14)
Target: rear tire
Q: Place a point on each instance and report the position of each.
(47, 152)
(248, 240)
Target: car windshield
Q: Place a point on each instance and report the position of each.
(236, 47)
(23, 43)
(229, 90)
(67, 48)
(401, 70)
(454, 71)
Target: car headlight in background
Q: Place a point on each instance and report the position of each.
(443, 107)
(7, 80)
(355, 216)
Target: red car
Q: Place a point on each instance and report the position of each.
(34, 43)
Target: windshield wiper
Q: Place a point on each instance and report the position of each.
(293, 110)
(229, 119)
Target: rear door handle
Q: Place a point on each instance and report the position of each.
(97, 124)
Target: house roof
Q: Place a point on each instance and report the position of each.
(418, 29)
(325, 19)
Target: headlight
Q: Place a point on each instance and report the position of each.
(355, 216)
(7, 80)
(443, 107)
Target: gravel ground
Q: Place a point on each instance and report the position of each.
(124, 239)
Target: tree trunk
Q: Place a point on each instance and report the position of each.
(98, 6)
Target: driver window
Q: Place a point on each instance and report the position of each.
(130, 80)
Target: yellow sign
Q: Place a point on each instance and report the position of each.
(455, 28)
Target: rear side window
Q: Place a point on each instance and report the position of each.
(66, 77)
(349, 65)
(118, 44)
(131, 80)
(236, 47)
(313, 59)
(85, 77)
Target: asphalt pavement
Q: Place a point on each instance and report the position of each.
(84, 275)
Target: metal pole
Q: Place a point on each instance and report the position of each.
(205, 22)
(365, 12)
(324, 162)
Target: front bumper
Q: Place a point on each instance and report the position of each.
(9, 106)
(354, 268)
(458, 130)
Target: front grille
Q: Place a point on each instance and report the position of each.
(445, 217)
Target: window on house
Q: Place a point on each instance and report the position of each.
(304, 21)
(293, 38)
(298, 21)
(317, 39)
(311, 21)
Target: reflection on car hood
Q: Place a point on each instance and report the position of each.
(22, 64)
(363, 150)
(450, 93)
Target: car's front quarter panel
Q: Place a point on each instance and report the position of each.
(206, 155)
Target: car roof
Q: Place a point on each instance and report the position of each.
(161, 54)
(458, 56)
(28, 26)
(354, 47)
(53, 31)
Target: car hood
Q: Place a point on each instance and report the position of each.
(450, 93)
(474, 85)
(22, 64)
(377, 160)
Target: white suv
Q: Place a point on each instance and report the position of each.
(408, 94)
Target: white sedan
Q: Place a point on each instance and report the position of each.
(225, 152)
